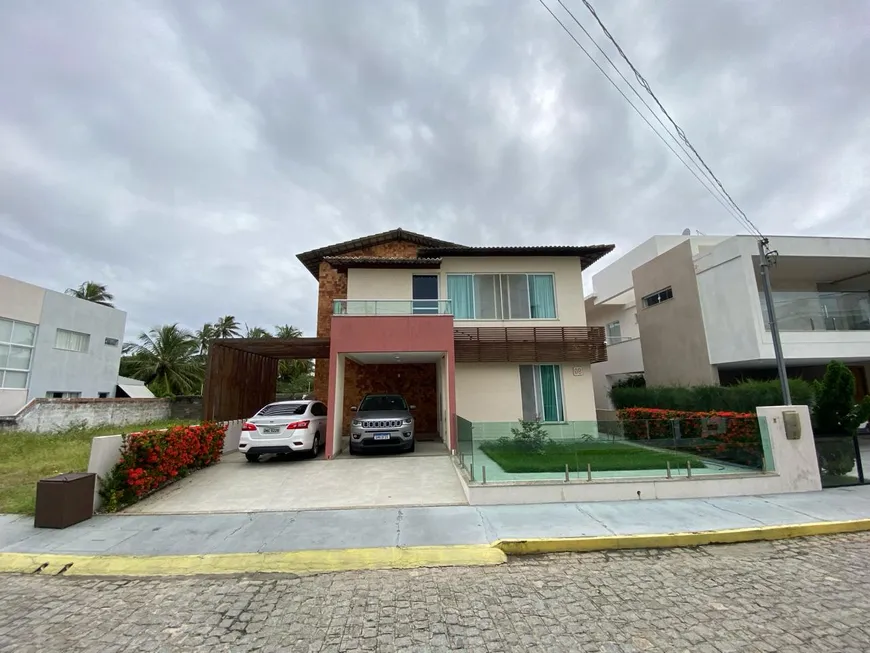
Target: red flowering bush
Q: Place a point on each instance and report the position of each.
(726, 436)
(151, 459)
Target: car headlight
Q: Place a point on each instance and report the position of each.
(408, 420)
(356, 422)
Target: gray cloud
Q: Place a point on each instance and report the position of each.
(183, 153)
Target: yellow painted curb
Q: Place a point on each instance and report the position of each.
(519, 547)
(291, 562)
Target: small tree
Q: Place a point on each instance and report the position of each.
(835, 413)
(531, 436)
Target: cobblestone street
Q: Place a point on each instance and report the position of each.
(798, 595)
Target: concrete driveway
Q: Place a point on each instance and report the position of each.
(234, 485)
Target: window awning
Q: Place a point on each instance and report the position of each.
(136, 391)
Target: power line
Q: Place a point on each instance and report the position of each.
(679, 130)
(767, 258)
(652, 111)
(643, 117)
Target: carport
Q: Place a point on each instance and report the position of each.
(420, 377)
(242, 373)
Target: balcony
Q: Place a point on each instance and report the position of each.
(819, 311)
(392, 307)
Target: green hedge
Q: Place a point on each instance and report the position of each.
(741, 398)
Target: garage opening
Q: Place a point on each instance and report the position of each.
(419, 377)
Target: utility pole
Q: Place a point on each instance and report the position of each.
(768, 260)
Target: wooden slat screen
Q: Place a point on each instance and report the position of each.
(238, 383)
(529, 344)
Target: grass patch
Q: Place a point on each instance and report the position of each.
(27, 457)
(603, 456)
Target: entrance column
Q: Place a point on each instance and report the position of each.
(450, 386)
(335, 406)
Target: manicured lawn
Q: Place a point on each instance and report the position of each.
(603, 456)
(27, 457)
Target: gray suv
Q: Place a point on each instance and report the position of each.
(382, 422)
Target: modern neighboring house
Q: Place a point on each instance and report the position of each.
(483, 333)
(53, 345)
(688, 310)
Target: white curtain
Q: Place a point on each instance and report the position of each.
(72, 340)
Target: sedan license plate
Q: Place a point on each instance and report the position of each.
(271, 429)
(382, 436)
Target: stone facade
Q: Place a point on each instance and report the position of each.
(333, 285)
(415, 382)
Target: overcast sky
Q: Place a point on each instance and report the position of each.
(184, 152)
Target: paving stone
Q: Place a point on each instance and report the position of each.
(797, 595)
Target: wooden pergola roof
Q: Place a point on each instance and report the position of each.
(279, 348)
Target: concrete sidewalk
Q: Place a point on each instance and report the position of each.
(239, 533)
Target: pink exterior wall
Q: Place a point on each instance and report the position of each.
(351, 334)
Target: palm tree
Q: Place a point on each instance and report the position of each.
(256, 332)
(203, 337)
(166, 359)
(226, 327)
(287, 331)
(288, 370)
(93, 292)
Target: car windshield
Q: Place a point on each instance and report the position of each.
(383, 402)
(282, 409)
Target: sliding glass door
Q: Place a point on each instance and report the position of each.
(541, 393)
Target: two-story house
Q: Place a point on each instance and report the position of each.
(55, 346)
(689, 310)
(485, 333)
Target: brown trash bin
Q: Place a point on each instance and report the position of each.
(64, 500)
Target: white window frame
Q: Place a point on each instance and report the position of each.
(9, 343)
(613, 338)
(657, 295)
(63, 394)
(86, 338)
(499, 295)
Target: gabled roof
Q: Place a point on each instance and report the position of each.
(312, 259)
(588, 254)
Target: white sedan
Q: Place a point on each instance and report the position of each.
(284, 427)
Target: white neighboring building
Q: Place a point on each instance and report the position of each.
(688, 310)
(53, 345)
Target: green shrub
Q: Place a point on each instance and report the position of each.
(835, 411)
(741, 398)
(836, 456)
(633, 381)
(836, 417)
(728, 436)
(531, 436)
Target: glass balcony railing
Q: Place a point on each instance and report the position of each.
(819, 311)
(617, 449)
(392, 307)
(615, 340)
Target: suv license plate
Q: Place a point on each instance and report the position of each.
(382, 436)
(271, 429)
